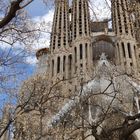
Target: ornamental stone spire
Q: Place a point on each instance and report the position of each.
(60, 39)
(60, 30)
(126, 47)
(81, 36)
(80, 19)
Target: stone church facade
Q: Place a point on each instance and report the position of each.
(77, 42)
(79, 49)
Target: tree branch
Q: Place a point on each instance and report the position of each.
(14, 7)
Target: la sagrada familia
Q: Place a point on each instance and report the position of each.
(77, 43)
(93, 73)
(82, 51)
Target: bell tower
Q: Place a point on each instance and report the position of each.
(60, 39)
(80, 19)
(81, 36)
(60, 30)
(126, 46)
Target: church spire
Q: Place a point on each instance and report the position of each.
(60, 30)
(60, 40)
(81, 37)
(80, 18)
(121, 19)
(126, 48)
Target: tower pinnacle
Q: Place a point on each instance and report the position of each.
(60, 30)
(80, 18)
(126, 46)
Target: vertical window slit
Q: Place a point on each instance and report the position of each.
(52, 68)
(75, 51)
(86, 50)
(123, 48)
(70, 64)
(129, 50)
(64, 61)
(81, 51)
(58, 64)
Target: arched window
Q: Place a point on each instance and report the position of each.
(86, 54)
(135, 51)
(81, 51)
(103, 47)
(118, 51)
(123, 48)
(58, 64)
(64, 63)
(129, 50)
(52, 68)
(70, 65)
(75, 53)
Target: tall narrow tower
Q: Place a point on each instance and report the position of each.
(136, 14)
(126, 46)
(59, 40)
(135, 9)
(81, 36)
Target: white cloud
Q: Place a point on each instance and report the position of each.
(44, 23)
(31, 60)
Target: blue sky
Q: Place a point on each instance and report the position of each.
(37, 8)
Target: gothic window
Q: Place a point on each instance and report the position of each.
(103, 47)
(70, 65)
(86, 50)
(52, 68)
(64, 63)
(85, 17)
(81, 51)
(135, 51)
(58, 64)
(123, 48)
(80, 17)
(129, 50)
(75, 53)
(118, 49)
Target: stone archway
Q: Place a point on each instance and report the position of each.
(103, 46)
